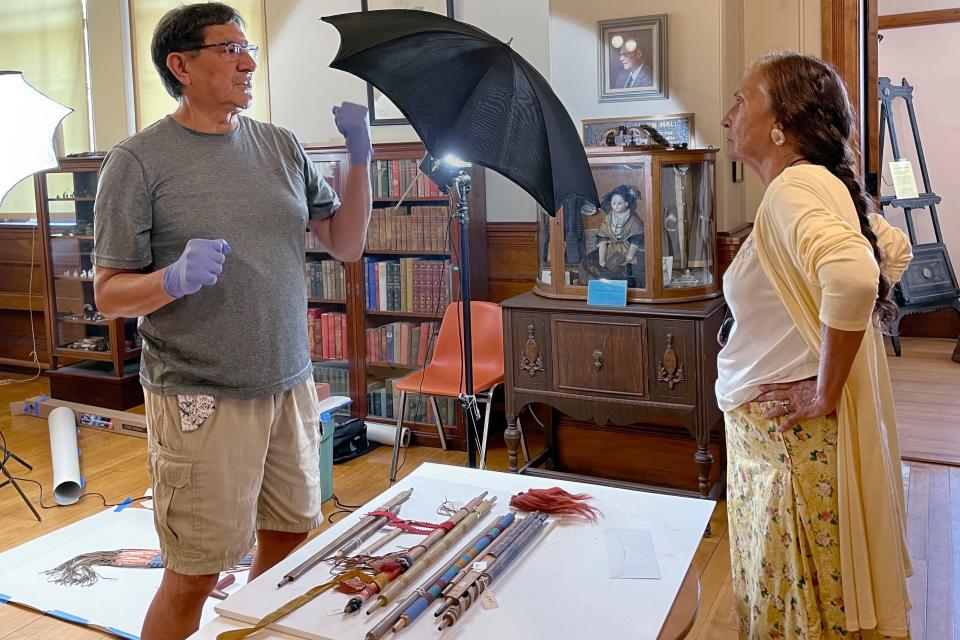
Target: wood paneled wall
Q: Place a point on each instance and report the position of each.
(17, 244)
(512, 255)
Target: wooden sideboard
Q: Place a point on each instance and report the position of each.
(645, 365)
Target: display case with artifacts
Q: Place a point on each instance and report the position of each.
(655, 228)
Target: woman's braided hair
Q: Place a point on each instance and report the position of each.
(808, 97)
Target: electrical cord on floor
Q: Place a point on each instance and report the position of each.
(344, 509)
(82, 496)
(6, 456)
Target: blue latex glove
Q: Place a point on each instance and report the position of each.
(352, 121)
(200, 264)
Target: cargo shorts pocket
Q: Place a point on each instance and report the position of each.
(173, 504)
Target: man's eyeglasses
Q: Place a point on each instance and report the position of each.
(232, 49)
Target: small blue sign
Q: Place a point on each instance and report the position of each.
(607, 293)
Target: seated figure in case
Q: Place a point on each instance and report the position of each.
(619, 252)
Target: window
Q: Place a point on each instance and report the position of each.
(45, 40)
(152, 100)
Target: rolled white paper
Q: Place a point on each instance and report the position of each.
(385, 433)
(65, 456)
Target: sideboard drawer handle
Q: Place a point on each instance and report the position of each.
(598, 360)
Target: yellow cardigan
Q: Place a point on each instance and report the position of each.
(809, 243)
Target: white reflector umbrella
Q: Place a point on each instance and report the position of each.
(28, 120)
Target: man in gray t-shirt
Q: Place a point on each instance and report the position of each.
(200, 222)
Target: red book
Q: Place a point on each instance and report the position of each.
(395, 179)
(338, 337)
(325, 336)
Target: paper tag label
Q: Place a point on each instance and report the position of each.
(488, 600)
(480, 565)
(904, 182)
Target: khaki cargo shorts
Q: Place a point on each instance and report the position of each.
(223, 468)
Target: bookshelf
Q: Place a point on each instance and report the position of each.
(372, 321)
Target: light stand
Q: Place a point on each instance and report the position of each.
(446, 174)
(5, 455)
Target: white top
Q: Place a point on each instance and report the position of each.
(764, 345)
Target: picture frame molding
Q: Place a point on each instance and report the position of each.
(374, 120)
(662, 91)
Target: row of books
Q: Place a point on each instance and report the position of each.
(403, 343)
(325, 280)
(415, 285)
(383, 400)
(327, 334)
(408, 229)
(336, 374)
(392, 178)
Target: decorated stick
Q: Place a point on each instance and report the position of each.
(353, 531)
(466, 574)
(469, 595)
(431, 590)
(384, 625)
(354, 543)
(404, 563)
(432, 555)
(381, 542)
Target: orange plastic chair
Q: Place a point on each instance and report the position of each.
(442, 376)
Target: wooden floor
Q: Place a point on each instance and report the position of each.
(927, 400)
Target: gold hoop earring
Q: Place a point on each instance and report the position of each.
(778, 138)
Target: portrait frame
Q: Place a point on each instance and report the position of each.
(388, 114)
(677, 128)
(648, 81)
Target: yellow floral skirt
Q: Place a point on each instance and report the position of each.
(783, 525)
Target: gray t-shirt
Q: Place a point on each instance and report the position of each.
(245, 336)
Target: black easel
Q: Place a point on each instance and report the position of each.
(929, 284)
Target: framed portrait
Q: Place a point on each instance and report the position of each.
(632, 58)
(676, 129)
(382, 110)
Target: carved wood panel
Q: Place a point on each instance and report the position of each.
(673, 372)
(600, 355)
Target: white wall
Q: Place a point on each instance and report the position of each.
(303, 88)
(777, 25)
(926, 57)
(694, 63)
(110, 72)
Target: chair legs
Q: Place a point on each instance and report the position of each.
(488, 399)
(523, 442)
(436, 418)
(397, 438)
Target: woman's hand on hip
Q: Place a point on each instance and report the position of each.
(797, 401)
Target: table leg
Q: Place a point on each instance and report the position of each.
(704, 461)
(512, 437)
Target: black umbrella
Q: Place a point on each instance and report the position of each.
(469, 95)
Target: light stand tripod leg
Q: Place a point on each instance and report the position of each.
(397, 437)
(11, 480)
(7, 452)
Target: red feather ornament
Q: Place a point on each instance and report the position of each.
(556, 501)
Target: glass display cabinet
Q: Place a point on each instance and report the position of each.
(87, 348)
(655, 228)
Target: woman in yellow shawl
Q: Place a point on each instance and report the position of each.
(815, 492)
